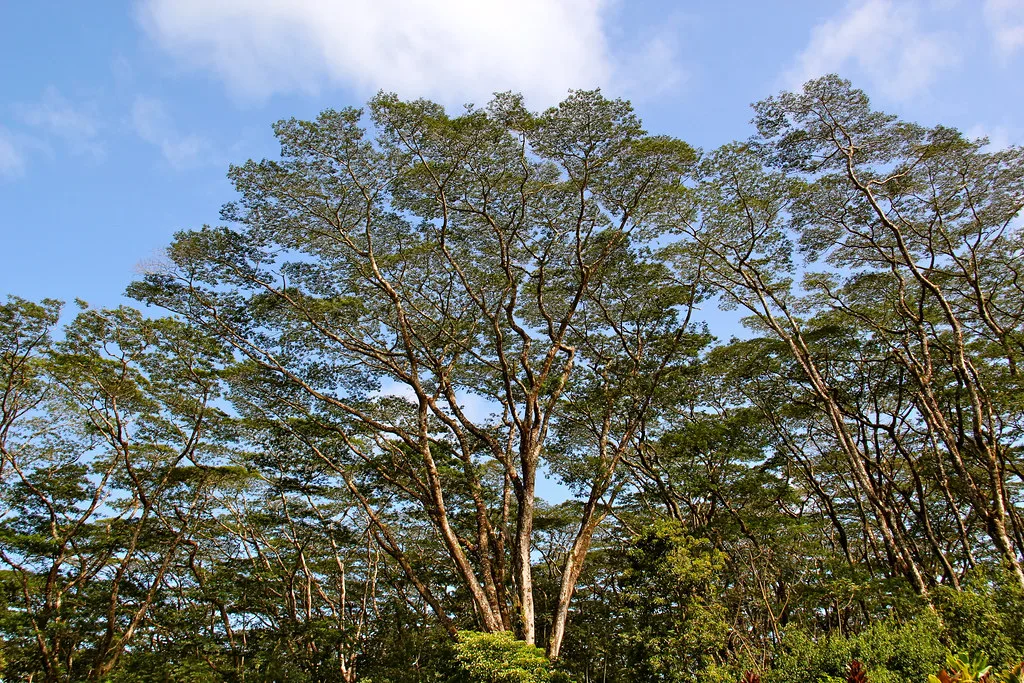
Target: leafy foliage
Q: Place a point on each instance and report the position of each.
(500, 658)
(671, 590)
(323, 463)
(889, 651)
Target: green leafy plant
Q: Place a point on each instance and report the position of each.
(963, 668)
(500, 658)
(888, 651)
(1014, 675)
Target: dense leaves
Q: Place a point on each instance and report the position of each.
(322, 463)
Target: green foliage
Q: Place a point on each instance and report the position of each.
(671, 590)
(893, 652)
(984, 618)
(282, 480)
(1014, 674)
(500, 658)
(980, 620)
(153, 667)
(963, 668)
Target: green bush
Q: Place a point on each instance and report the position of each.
(500, 658)
(984, 618)
(892, 651)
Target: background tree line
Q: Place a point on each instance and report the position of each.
(319, 460)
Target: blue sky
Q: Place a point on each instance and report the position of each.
(118, 120)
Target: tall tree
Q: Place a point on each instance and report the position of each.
(907, 346)
(447, 296)
(920, 220)
(107, 441)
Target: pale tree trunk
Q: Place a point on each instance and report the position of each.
(570, 575)
(521, 560)
(992, 506)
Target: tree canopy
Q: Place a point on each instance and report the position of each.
(319, 458)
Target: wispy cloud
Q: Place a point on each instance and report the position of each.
(76, 125)
(12, 162)
(653, 67)
(999, 137)
(1005, 19)
(152, 123)
(452, 50)
(884, 41)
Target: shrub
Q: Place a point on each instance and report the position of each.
(891, 652)
(983, 618)
(500, 658)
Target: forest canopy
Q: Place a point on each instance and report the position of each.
(315, 455)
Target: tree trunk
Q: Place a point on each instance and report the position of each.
(521, 561)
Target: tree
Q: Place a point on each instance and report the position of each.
(672, 597)
(380, 288)
(922, 220)
(916, 224)
(106, 460)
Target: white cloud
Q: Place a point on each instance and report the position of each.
(12, 162)
(452, 50)
(884, 41)
(77, 125)
(654, 69)
(1005, 19)
(999, 137)
(153, 124)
